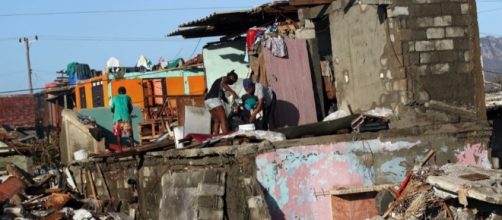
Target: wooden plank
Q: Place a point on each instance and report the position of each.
(364, 189)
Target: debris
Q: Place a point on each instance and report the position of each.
(82, 214)
(10, 187)
(57, 201)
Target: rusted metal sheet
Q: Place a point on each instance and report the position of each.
(291, 79)
(10, 187)
(309, 2)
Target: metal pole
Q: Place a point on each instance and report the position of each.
(27, 45)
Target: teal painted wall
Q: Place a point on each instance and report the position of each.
(221, 58)
(104, 118)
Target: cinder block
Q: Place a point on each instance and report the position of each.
(447, 56)
(441, 68)
(444, 45)
(146, 171)
(429, 57)
(441, 21)
(214, 202)
(464, 8)
(425, 22)
(463, 68)
(425, 1)
(424, 46)
(209, 214)
(450, 8)
(422, 70)
(435, 33)
(455, 32)
(210, 190)
(467, 56)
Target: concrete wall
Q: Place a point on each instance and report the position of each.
(408, 52)
(75, 136)
(298, 179)
(289, 180)
(359, 41)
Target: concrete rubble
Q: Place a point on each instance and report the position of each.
(451, 191)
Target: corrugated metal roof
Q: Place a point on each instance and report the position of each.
(235, 22)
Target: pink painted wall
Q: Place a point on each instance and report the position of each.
(297, 180)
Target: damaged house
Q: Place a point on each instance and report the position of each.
(395, 79)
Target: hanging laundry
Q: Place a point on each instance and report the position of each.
(251, 36)
(277, 45)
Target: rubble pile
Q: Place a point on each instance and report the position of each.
(50, 196)
(452, 191)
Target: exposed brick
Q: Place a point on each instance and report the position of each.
(455, 32)
(440, 68)
(424, 45)
(444, 45)
(18, 110)
(435, 33)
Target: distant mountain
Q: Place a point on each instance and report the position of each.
(491, 50)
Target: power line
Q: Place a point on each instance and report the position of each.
(119, 11)
(103, 39)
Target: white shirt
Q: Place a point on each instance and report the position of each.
(263, 92)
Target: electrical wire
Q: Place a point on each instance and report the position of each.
(119, 11)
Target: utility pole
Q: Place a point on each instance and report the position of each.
(27, 42)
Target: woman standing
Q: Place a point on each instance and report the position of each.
(215, 99)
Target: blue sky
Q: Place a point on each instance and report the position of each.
(88, 38)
